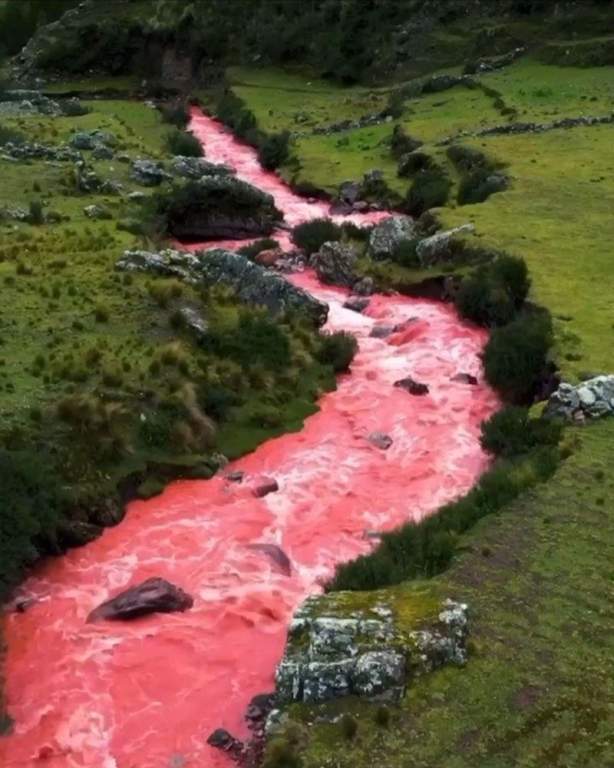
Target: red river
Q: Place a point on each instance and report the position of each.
(146, 694)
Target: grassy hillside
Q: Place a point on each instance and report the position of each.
(538, 576)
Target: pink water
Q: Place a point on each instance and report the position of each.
(146, 694)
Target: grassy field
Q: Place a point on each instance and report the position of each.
(537, 689)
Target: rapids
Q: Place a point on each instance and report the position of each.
(146, 694)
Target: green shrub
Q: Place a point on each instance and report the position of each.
(382, 716)
(401, 143)
(311, 235)
(10, 135)
(337, 349)
(183, 143)
(414, 162)
(405, 254)
(352, 231)
(515, 357)
(282, 753)
(256, 339)
(36, 214)
(348, 727)
(511, 432)
(253, 249)
(274, 150)
(175, 114)
(493, 294)
(478, 186)
(430, 189)
(32, 505)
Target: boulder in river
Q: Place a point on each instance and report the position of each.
(276, 554)
(223, 740)
(357, 303)
(264, 486)
(334, 264)
(465, 378)
(380, 440)
(381, 331)
(364, 287)
(412, 386)
(154, 595)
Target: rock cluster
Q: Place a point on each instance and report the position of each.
(35, 151)
(196, 167)
(149, 173)
(328, 656)
(252, 283)
(389, 234)
(592, 399)
(334, 264)
(21, 103)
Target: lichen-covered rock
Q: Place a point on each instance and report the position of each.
(591, 399)
(149, 173)
(97, 212)
(377, 672)
(389, 234)
(437, 248)
(197, 167)
(334, 264)
(365, 653)
(252, 283)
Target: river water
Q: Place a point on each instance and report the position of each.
(146, 694)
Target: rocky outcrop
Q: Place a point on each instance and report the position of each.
(91, 140)
(149, 173)
(197, 167)
(591, 399)
(389, 234)
(334, 264)
(438, 248)
(252, 283)
(364, 653)
(152, 596)
(220, 206)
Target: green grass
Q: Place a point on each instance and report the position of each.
(538, 577)
(536, 689)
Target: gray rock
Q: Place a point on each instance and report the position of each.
(149, 173)
(97, 212)
(381, 331)
(437, 248)
(364, 287)
(380, 440)
(389, 234)
(592, 399)
(197, 167)
(194, 320)
(322, 681)
(334, 264)
(102, 152)
(152, 596)
(379, 672)
(349, 192)
(356, 303)
(252, 283)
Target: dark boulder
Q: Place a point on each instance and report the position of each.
(265, 486)
(357, 303)
(152, 596)
(464, 378)
(412, 386)
(380, 440)
(77, 533)
(276, 554)
(381, 331)
(226, 742)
